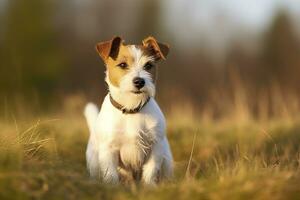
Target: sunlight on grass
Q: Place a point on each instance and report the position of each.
(225, 158)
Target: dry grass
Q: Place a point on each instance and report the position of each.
(235, 157)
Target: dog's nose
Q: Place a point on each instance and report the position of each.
(138, 82)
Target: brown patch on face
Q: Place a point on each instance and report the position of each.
(115, 72)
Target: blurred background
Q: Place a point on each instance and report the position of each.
(226, 56)
(230, 90)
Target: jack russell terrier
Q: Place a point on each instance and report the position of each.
(128, 135)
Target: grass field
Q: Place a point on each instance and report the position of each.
(230, 158)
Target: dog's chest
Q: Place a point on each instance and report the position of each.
(134, 152)
(131, 135)
(135, 142)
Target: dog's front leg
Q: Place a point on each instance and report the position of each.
(108, 161)
(151, 169)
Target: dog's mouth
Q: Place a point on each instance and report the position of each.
(137, 92)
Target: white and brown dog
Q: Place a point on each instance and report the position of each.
(128, 134)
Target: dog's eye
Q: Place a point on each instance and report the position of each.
(148, 66)
(123, 65)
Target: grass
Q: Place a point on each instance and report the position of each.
(214, 159)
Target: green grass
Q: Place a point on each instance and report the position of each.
(45, 159)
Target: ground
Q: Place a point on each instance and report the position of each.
(44, 158)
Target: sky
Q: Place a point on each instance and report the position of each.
(218, 22)
(251, 12)
(256, 13)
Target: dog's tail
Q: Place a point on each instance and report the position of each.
(91, 112)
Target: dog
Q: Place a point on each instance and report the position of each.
(128, 135)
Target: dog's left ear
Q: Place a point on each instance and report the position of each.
(109, 48)
(159, 49)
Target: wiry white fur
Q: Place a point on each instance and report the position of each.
(137, 140)
(123, 94)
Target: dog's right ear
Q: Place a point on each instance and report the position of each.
(109, 48)
(161, 50)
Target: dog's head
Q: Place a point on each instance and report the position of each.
(131, 69)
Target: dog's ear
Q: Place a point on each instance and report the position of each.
(109, 48)
(159, 49)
